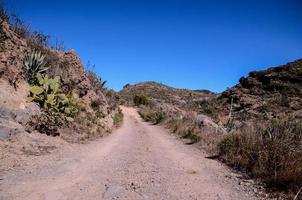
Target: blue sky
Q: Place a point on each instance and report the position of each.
(183, 43)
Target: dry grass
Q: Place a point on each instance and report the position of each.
(155, 117)
(185, 125)
(271, 151)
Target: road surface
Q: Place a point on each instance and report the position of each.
(137, 161)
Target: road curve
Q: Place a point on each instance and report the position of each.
(137, 161)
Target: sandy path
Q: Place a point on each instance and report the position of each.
(138, 161)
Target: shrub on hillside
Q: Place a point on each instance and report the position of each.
(155, 117)
(95, 104)
(96, 82)
(140, 100)
(186, 127)
(272, 152)
(49, 123)
(118, 118)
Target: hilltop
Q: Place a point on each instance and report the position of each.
(182, 98)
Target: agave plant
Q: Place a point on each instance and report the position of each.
(34, 63)
(102, 83)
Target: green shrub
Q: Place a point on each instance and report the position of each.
(47, 94)
(96, 82)
(95, 104)
(33, 64)
(140, 100)
(272, 152)
(155, 117)
(118, 119)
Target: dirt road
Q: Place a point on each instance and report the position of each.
(138, 161)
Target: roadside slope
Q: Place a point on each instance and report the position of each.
(138, 161)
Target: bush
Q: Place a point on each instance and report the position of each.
(49, 122)
(96, 82)
(155, 117)
(272, 152)
(118, 119)
(140, 100)
(95, 104)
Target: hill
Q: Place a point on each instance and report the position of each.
(46, 90)
(182, 98)
(263, 95)
(254, 126)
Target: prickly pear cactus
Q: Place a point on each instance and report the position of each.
(48, 95)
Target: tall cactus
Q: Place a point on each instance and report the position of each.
(34, 63)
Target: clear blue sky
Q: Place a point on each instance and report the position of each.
(185, 44)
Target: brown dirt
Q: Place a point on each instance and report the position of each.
(137, 161)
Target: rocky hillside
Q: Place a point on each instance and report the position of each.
(177, 109)
(263, 95)
(181, 98)
(254, 126)
(46, 90)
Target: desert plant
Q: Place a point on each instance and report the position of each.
(272, 151)
(49, 122)
(102, 82)
(96, 103)
(34, 63)
(3, 14)
(118, 118)
(140, 100)
(47, 94)
(97, 82)
(155, 117)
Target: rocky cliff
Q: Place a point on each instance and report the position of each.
(263, 95)
(17, 113)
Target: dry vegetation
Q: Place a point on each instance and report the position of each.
(271, 151)
(263, 137)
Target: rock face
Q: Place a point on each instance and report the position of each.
(12, 49)
(275, 92)
(16, 113)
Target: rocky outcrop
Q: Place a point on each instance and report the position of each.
(12, 49)
(17, 115)
(275, 92)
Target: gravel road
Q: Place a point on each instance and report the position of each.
(137, 161)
